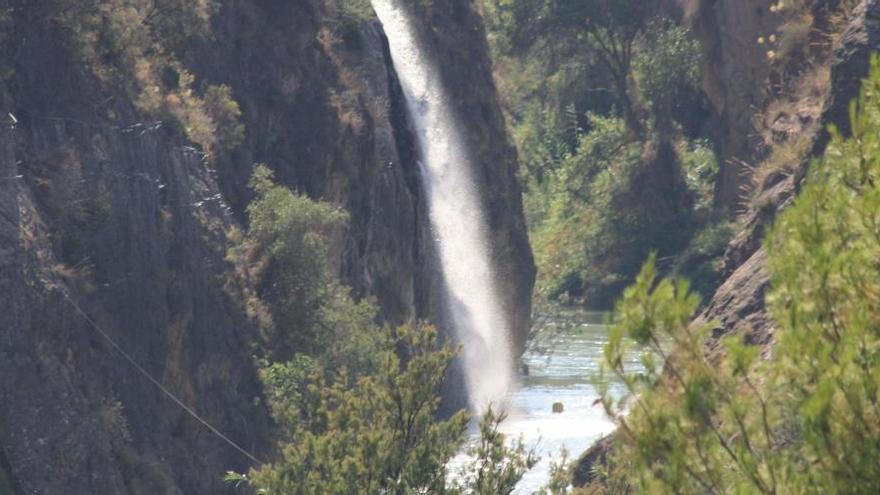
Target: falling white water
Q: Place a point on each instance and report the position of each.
(456, 216)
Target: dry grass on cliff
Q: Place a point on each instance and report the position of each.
(800, 52)
(788, 126)
(79, 278)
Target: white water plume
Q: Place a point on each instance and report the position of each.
(457, 217)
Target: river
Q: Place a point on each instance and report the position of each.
(560, 362)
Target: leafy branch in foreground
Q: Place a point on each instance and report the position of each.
(804, 420)
(380, 432)
(496, 468)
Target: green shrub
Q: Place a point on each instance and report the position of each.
(700, 167)
(379, 432)
(806, 419)
(666, 68)
(611, 202)
(288, 242)
(355, 11)
(225, 116)
(701, 261)
(380, 436)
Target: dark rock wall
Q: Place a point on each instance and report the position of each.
(129, 221)
(318, 104)
(129, 227)
(125, 220)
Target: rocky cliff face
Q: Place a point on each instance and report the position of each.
(738, 305)
(741, 75)
(735, 71)
(104, 211)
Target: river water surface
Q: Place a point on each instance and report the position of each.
(560, 365)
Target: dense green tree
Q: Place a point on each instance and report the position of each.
(380, 432)
(611, 28)
(666, 70)
(379, 436)
(606, 32)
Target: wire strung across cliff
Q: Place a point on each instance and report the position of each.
(155, 382)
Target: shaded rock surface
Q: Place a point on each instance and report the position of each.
(105, 211)
(583, 473)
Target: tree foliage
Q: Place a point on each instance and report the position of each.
(666, 70)
(495, 467)
(806, 419)
(379, 432)
(287, 251)
(378, 436)
(357, 403)
(605, 207)
(602, 96)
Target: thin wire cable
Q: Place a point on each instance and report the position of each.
(155, 382)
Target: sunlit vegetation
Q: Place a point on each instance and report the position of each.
(601, 97)
(135, 46)
(803, 420)
(286, 253)
(379, 435)
(356, 402)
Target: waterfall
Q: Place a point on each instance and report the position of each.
(457, 219)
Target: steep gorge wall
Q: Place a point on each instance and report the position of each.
(735, 74)
(454, 33)
(130, 221)
(124, 219)
(738, 306)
